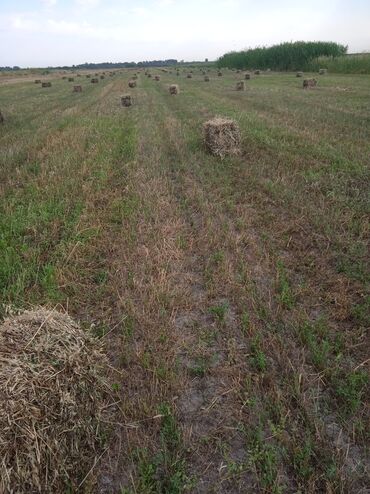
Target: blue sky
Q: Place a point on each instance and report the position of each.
(57, 32)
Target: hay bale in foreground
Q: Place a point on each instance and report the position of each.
(46, 84)
(94, 80)
(222, 136)
(51, 401)
(174, 89)
(299, 74)
(126, 100)
(131, 84)
(77, 89)
(323, 71)
(309, 83)
(240, 86)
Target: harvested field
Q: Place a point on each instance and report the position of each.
(231, 295)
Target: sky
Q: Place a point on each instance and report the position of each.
(39, 33)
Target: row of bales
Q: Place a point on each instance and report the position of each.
(174, 89)
(77, 88)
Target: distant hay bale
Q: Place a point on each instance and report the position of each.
(51, 403)
(134, 77)
(70, 79)
(206, 78)
(64, 77)
(37, 81)
(102, 77)
(299, 74)
(222, 136)
(126, 100)
(189, 76)
(149, 76)
(174, 89)
(157, 78)
(238, 71)
(94, 80)
(1, 118)
(257, 72)
(46, 84)
(219, 73)
(240, 86)
(88, 76)
(309, 83)
(323, 71)
(247, 76)
(132, 84)
(77, 89)
(178, 74)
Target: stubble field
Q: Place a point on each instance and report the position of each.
(232, 294)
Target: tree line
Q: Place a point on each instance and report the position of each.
(283, 57)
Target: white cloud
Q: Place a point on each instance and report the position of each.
(49, 3)
(87, 3)
(140, 11)
(165, 3)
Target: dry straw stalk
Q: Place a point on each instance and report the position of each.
(52, 394)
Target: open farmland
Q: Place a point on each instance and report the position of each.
(231, 294)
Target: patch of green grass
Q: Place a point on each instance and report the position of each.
(286, 296)
(265, 458)
(219, 311)
(303, 464)
(245, 322)
(200, 367)
(350, 388)
(361, 312)
(258, 358)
